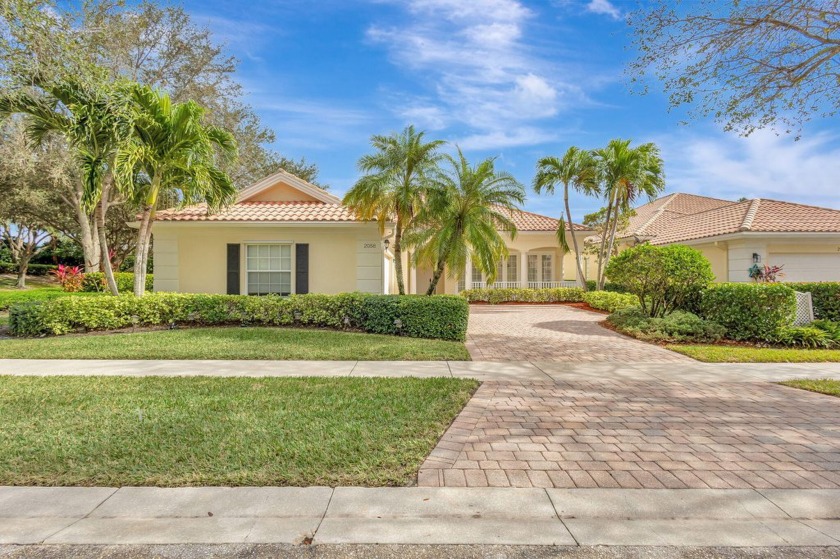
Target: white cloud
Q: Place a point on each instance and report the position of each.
(604, 7)
(526, 136)
(477, 69)
(762, 165)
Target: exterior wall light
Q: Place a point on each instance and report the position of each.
(756, 258)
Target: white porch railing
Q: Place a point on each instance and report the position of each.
(550, 284)
(518, 284)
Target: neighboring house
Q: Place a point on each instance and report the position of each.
(805, 240)
(284, 235)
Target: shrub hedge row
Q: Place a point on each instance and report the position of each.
(441, 317)
(749, 311)
(32, 270)
(12, 297)
(603, 300)
(826, 297)
(521, 295)
(95, 282)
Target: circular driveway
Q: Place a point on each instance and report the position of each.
(554, 333)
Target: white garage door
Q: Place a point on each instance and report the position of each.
(808, 267)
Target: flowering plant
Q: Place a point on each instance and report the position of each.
(70, 278)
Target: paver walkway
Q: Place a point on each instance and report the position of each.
(637, 434)
(553, 333)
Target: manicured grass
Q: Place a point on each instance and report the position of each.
(743, 354)
(823, 386)
(4, 319)
(235, 343)
(9, 281)
(10, 296)
(114, 431)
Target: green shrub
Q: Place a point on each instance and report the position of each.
(749, 311)
(441, 316)
(31, 270)
(663, 277)
(95, 282)
(829, 327)
(803, 336)
(522, 295)
(609, 301)
(679, 326)
(826, 297)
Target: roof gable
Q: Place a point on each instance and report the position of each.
(283, 186)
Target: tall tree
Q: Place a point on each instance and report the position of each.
(24, 240)
(396, 177)
(92, 119)
(463, 212)
(173, 152)
(576, 169)
(627, 173)
(749, 64)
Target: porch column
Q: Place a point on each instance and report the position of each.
(468, 273)
(521, 271)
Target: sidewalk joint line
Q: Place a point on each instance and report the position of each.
(323, 516)
(557, 514)
(537, 367)
(449, 366)
(91, 511)
(771, 501)
(355, 364)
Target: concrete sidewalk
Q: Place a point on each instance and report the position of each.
(481, 370)
(443, 516)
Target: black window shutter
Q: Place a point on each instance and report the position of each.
(301, 268)
(233, 265)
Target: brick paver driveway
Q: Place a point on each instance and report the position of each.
(553, 333)
(636, 434)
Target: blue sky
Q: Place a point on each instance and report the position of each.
(511, 79)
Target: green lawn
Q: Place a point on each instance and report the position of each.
(115, 431)
(235, 343)
(743, 354)
(823, 386)
(38, 288)
(4, 319)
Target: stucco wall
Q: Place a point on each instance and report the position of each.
(192, 257)
(717, 255)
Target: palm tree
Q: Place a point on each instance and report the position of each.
(627, 173)
(93, 120)
(577, 169)
(464, 210)
(172, 154)
(395, 178)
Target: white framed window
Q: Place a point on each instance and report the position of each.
(547, 267)
(268, 268)
(513, 267)
(533, 269)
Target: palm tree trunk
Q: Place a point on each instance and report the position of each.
(602, 252)
(581, 279)
(608, 255)
(439, 269)
(141, 252)
(398, 264)
(105, 257)
(86, 239)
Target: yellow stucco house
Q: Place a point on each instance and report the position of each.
(285, 235)
(804, 240)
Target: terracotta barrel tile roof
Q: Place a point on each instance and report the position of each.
(262, 211)
(684, 217)
(528, 221)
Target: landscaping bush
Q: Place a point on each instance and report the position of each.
(679, 326)
(521, 295)
(749, 311)
(32, 270)
(609, 301)
(663, 278)
(95, 281)
(826, 297)
(441, 316)
(804, 336)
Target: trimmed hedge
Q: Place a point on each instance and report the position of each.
(95, 282)
(32, 270)
(440, 317)
(610, 301)
(679, 326)
(749, 311)
(523, 295)
(826, 297)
